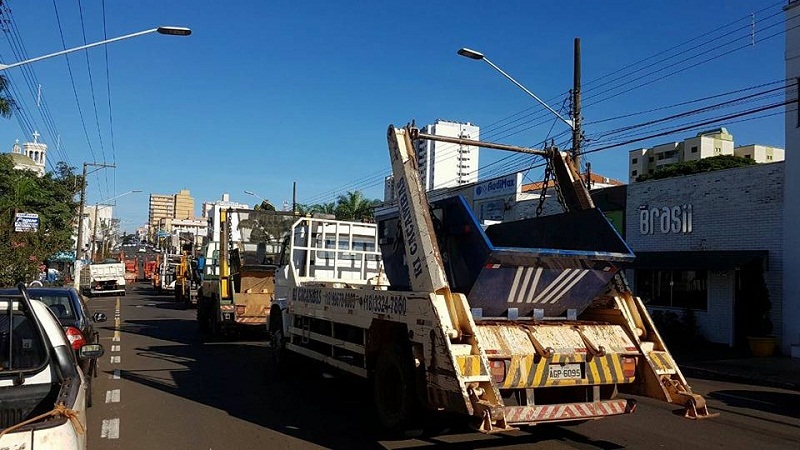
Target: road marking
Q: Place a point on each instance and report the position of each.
(115, 360)
(115, 375)
(110, 429)
(112, 396)
(115, 348)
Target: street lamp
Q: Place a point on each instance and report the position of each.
(174, 31)
(103, 202)
(472, 54)
(256, 195)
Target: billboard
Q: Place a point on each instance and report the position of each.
(498, 187)
(25, 222)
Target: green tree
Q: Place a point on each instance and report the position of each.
(354, 206)
(265, 205)
(7, 104)
(702, 165)
(52, 197)
(323, 208)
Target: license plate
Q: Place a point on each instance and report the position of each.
(564, 372)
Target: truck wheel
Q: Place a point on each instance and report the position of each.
(394, 389)
(202, 322)
(279, 358)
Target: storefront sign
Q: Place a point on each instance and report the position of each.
(26, 222)
(507, 185)
(665, 220)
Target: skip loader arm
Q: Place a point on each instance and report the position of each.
(481, 397)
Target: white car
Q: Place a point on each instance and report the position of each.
(42, 389)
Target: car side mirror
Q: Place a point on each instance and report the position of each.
(99, 317)
(91, 351)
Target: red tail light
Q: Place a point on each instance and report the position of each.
(498, 369)
(75, 337)
(629, 367)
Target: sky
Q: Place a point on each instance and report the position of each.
(264, 93)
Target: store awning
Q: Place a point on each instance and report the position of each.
(699, 260)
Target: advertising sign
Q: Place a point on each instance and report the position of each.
(497, 187)
(24, 222)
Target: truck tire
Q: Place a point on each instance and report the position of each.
(279, 358)
(394, 389)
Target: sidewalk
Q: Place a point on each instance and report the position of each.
(719, 362)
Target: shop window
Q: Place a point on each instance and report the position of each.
(673, 288)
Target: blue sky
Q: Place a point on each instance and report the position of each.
(265, 93)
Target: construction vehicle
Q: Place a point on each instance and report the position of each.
(239, 277)
(187, 279)
(523, 323)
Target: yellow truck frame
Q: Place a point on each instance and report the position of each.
(427, 349)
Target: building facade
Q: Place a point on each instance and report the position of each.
(184, 205)
(161, 207)
(706, 144)
(443, 165)
(791, 238)
(697, 237)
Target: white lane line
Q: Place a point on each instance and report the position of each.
(115, 360)
(110, 429)
(115, 348)
(115, 375)
(112, 396)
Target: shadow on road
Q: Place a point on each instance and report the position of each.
(783, 403)
(331, 410)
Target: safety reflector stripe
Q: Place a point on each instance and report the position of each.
(470, 365)
(556, 413)
(226, 307)
(661, 362)
(525, 371)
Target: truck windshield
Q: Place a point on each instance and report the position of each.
(21, 345)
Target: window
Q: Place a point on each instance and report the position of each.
(747, 156)
(635, 161)
(694, 149)
(673, 288)
(717, 150)
(634, 173)
(652, 159)
(769, 157)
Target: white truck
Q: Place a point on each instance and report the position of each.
(103, 278)
(42, 389)
(523, 323)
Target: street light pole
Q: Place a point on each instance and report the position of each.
(174, 31)
(76, 270)
(94, 222)
(472, 54)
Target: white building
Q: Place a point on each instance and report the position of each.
(791, 212)
(31, 156)
(443, 164)
(706, 144)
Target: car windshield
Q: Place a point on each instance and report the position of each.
(21, 345)
(59, 304)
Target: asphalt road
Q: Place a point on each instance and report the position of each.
(159, 387)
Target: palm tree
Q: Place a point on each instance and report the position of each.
(7, 103)
(323, 208)
(354, 206)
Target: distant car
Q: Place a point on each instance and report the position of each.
(43, 390)
(71, 310)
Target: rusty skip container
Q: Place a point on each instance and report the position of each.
(552, 263)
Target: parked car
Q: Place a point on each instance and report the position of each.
(42, 389)
(72, 312)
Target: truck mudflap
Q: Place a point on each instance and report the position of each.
(531, 415)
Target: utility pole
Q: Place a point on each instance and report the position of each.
(79, 244)
(294, 197)
(576, 106)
